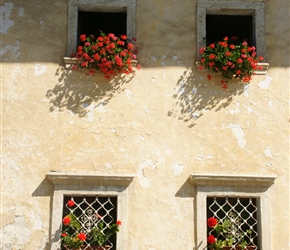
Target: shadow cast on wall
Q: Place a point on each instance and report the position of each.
(195, 95)
(76, 91)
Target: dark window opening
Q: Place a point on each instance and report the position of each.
(220, 26)
(91, 23)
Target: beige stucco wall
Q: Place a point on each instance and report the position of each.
(162, 125)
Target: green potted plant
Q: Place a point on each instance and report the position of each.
(71, 237)
(107, 53)
(77, 235)
(226, 235)
(101, 234)
(232, 59)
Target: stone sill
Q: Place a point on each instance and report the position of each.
(231, 180)
(263, 71)
(69, 178)
(69, 61)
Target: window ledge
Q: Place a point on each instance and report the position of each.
(232, 180)
(64, 178)
(69, 61)
(262, 71)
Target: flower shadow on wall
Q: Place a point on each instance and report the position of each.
(195, 95)
(79, 93)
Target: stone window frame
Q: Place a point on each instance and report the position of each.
(208, 185)
(254, 8)
(90, 185)
(74, 6)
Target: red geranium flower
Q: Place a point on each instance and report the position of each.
(211, 239)
(121, 43)
(211, 56)
(232, 46)
(211, 222)
(201, 50)
(119, 223)
(70, 203)
(94, 47)
(83, 37)
(84, 64)
(82, 236)
(130, 46)
(244, 43)
(66, 220)
(228, 53)
(223, 44)
(211, 64)
(211, 45)
(239, 60)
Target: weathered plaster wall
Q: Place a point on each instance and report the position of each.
(162, 125)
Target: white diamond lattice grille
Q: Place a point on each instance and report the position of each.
(90, 212)
(242, 214)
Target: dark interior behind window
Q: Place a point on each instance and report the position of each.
(91, 23)
(219, 26)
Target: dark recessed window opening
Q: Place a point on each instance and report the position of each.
(219, 26)
(91, 23)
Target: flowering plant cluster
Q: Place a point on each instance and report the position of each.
(232, 59)
(225, 233)
(74, 235)
(107, 53)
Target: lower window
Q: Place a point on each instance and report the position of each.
(89, 222)
(237, 220)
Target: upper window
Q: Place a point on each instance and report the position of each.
(91, 16)
(244, 20)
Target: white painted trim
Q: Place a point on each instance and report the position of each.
(232, 180)
(263, 71)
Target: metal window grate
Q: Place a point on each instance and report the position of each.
(89, 211)
(242, 214)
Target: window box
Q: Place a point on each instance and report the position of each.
(261, 71)
(70, 61)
